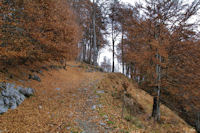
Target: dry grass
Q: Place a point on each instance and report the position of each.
(113, 85)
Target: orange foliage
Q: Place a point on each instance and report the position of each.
(37, 30)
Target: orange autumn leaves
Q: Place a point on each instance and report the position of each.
(38, 30)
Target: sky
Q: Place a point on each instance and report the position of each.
(130, 1)
(107, 50)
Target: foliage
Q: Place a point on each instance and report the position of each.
(161, 50)
(37, 30)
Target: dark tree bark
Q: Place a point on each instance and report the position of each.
(156, 108)
(122, 51)
(198, 123)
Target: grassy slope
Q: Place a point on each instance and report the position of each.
(52, 110)
(113, 84)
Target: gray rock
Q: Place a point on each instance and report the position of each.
(11, 97)
(85, 89)
(100, 91)
(3, 108)
(94, 107)
(6, 101)
(3, 85)
(100, 106)
(40, 72)
(97, 96)
(40, 106)
(105, 116)
(37, 78)
(26, 91)
(12, 103)
(58, 89)
(90, 70)
(102, 124)
(68, 128)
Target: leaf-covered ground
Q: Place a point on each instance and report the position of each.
(80, 99)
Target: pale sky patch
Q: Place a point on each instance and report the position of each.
(107, 50)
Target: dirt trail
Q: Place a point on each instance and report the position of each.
(88, 118)
(82, 100)
(65, 101)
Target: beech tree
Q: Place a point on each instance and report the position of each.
(152, 37)
(92, 21)
(37, 31)
(114, 28)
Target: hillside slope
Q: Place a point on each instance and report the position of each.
(82, 99)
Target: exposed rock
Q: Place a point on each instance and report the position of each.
(40, 72)
(40, 107)
(90, 70)
(94, 107)
(100, 106)
(102, 124)
(105, 116)
(34, 77)
(100, 92)
(26, 91)
(3, 107)
(57, 67)
(45, 68)
(85, 89)
(37, 78)
(58, 89)
(11, 97)
(68, 128)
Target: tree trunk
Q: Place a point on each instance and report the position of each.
(127, 70)
(198, 123)
(122, 51)
(156, 108)
(113, 48)
(113, 65)
(156, 101)
(90, 48)
(95, 51)
(84, 51)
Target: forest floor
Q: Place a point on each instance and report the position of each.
(80, 99)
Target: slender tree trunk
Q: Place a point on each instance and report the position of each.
(91, 45)
(95, 51)
(198, 123)
(127, 70)
(122, 51)
(84, 51)
(156, 101)
(156, 104)
(113, 48)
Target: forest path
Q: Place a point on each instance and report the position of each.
(88, 117)
(80, 99)
(65, 102)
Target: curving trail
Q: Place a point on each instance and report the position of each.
(63, 103)
(83, 100)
